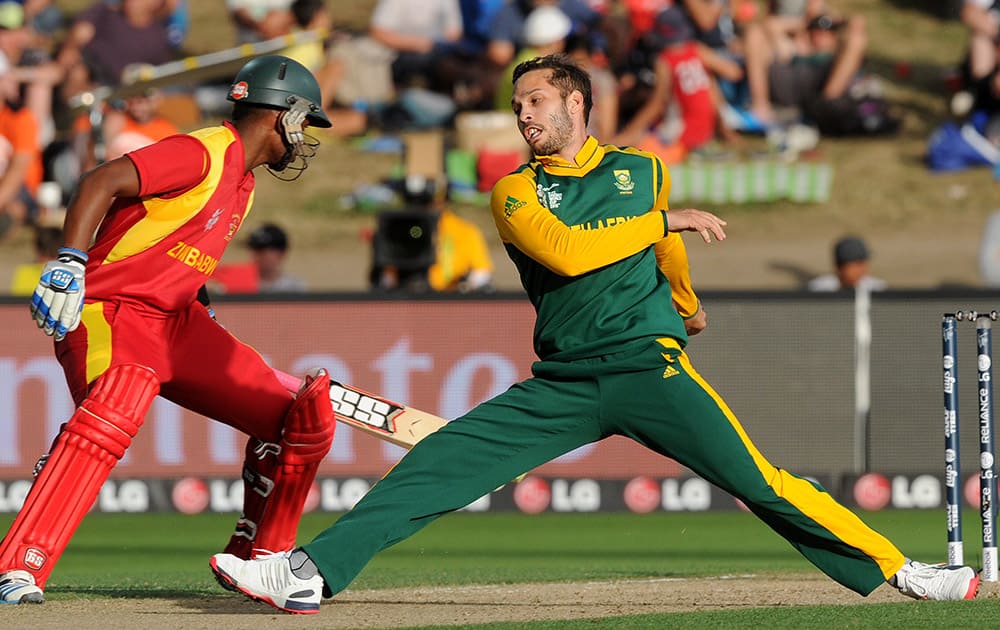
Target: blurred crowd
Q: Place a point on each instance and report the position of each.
(685, 79)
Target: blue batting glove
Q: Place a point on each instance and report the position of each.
(58, 299)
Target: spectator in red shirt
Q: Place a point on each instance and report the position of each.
(682, 113)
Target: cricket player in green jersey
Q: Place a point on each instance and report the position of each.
(600, 257)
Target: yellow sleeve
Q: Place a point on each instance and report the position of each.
(530, 227)
(671, 258)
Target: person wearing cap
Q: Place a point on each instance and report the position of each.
(269, 249)
(545, 31)
(850, 260)
(142, 235)
(507, 27)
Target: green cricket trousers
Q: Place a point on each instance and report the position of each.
(653, 396)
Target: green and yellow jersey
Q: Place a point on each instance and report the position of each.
(590, 243)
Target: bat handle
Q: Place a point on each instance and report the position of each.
(289, 382)
(293, 383)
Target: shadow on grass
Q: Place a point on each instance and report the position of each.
(218, 602)
(137, 592)
(582, 555)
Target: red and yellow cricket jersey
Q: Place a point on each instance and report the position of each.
(158, 249)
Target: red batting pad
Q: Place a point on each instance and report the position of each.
(277, 480)
(90, 445)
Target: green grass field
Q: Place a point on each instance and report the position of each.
(165, 556)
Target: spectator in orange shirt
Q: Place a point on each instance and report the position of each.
(136, 124)
(124, 126)
(20, 158)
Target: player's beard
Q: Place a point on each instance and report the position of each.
(560, 132)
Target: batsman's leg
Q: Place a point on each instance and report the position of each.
(90, 445)
(218, 376)
(277, 477)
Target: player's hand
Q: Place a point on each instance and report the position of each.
(58, 298)
(691, 220)
(697, 323)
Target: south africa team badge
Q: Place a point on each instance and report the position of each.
(623, 181)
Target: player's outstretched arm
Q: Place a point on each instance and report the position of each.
(704, 223)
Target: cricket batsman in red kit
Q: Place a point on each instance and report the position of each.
(127, 324)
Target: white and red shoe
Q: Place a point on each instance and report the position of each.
(936, 581)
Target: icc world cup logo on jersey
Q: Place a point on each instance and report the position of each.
(548, 196)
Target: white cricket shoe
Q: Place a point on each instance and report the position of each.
(269, 579)
(18, 587)
(936, 581)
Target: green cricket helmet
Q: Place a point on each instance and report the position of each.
(279, 82)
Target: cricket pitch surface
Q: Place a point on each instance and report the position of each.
(452, 605)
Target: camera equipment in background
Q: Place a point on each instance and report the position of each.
(403, 246)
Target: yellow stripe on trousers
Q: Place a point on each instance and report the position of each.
(98, 340)
(819, 506)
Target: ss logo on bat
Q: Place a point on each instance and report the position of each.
(356, 405)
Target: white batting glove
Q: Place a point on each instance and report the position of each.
(58, 299)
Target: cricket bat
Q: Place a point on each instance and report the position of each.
(364, 411)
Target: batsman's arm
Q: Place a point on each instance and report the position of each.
(383, 418)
